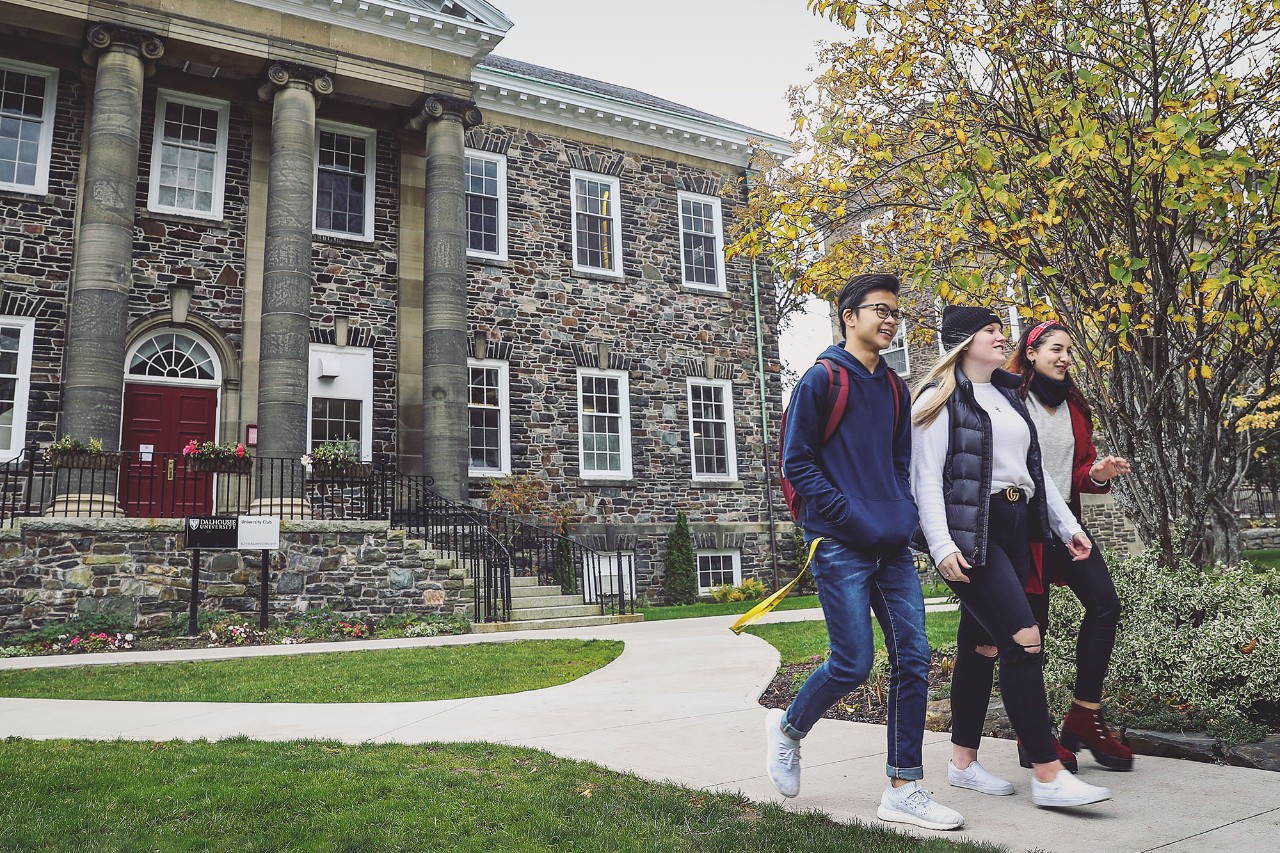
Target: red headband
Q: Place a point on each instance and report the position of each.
(1038, 331)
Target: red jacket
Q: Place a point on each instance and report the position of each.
(1081, 483)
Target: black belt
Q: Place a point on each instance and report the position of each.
(1011, 494)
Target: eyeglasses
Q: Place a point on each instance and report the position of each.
(884, 312)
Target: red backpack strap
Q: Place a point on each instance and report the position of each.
(837, 384)
(895, 384)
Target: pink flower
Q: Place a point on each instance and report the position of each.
(190, 448)
(240, 450)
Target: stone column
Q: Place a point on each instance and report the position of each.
(286, 276)
(445, 343)
(93, 377)
(99, 312)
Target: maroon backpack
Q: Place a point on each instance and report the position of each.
(836, 402)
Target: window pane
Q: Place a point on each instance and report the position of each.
(593, 211)
(336, 419)
(710, 425)
(188, 157)
(483, 199)
(341, 177)
(21, 125)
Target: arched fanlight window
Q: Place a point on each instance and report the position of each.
(172, 356)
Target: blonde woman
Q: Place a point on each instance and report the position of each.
(982, 494)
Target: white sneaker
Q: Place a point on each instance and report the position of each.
(781, 756)
(1066, 790)
(913, 804)
(975, 777)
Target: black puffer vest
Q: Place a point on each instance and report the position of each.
(966, 477)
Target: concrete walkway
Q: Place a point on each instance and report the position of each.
(680, 704)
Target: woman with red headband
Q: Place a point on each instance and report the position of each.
(1064, 424)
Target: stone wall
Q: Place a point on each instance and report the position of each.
(53, 569)
(547, 320)
(1106, 521)
(1262, 537)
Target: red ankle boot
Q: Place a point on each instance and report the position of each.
(1086, 727)
(1066, 756)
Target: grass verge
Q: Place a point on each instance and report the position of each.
(382, 675)
(715, 608)
(798, 642)
(1268, 557)
(314, 795)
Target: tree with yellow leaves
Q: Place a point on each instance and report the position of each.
(1111, 163)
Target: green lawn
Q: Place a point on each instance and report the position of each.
(714, 608)
(1267, 557)
(324, 796)
(383, 675)
(797, 642)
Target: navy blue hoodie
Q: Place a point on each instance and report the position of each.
(856, 488)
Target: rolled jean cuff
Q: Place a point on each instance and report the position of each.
(790, 730)
(911, 774)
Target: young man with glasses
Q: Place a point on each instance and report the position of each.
(856, 497)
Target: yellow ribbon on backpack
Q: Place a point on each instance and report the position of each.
(772, 601)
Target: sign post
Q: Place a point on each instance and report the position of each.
(231, 533)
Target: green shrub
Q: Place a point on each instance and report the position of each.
(679, 563)
(1195, 650)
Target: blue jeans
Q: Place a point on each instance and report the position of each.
(851, 585)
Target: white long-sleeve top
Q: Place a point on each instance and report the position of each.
(1011, 438)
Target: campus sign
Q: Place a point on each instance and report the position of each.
(237, 533)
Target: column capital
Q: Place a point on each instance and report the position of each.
(439, 107)
(282, 75)
(102, 37)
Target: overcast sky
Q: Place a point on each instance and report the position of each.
(731, 58)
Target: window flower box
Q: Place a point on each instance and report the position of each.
(208, 457)
(68, 452)
(225, 465)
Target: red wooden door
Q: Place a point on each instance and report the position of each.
(165, 417)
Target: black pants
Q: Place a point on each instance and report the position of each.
(994, 607)
(1091, 583)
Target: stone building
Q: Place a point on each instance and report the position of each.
(292, 221)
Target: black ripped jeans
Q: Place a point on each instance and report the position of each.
(1091, 583)
(994, 607)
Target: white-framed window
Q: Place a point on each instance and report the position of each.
(486, 176)
(16, 336)
(344, 180)
(28, 98)
(188, 155)
(175, 355)
(489, 417)
(711, 436)
(604, 424)
(597, 223)
(340, 397)
(716, 568)
(896, 354)
(701, 241)
(1014, 330)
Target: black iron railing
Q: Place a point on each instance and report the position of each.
(491, 547)
(170, 485)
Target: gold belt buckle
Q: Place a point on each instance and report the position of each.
(1013, 494)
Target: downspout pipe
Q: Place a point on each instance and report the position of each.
(764, 409)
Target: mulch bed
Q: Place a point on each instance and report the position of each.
(867, 704)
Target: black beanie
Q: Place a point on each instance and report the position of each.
(959, 322)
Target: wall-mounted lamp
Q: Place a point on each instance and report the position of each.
(340, 324)
(180, 300)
